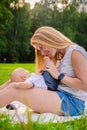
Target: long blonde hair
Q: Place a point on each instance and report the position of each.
(50, 37)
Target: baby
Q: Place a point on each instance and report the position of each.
(23, 79)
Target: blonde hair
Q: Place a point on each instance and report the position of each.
(50, 37)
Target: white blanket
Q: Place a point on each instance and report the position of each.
(22, 113)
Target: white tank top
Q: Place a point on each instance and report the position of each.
(65, 67)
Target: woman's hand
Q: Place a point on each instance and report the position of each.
(51, 68)
(48, 60)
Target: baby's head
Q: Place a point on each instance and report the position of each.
(19, 75)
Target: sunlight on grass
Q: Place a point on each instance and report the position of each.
(6, 69)
(6, 123)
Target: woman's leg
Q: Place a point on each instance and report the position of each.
(5, 84)
(38, 99)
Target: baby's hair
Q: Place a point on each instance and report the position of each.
(14, 75)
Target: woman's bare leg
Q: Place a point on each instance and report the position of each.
(38, 99)
(5, 84)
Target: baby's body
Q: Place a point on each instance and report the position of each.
(35, 80)
(24, 79)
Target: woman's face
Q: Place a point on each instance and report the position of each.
(46, 51)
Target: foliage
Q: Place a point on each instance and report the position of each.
(17, 25)
(16, 34)
(19, 34)
(5, 16)
(5, 23)
(82, 30)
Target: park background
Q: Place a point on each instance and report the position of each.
(18, 21)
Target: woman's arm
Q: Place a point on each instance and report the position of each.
(79, 64)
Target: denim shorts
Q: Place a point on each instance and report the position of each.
(71, 106)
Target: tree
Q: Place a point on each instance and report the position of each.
(6, 17)
(18, 36)
(69, 21)
(40, 15)
(81, 36)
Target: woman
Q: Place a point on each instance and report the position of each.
(71, 96)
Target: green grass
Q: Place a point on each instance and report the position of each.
(8, 124)
(6, 69)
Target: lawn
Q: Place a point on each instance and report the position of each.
(8, 124)
(6, 69)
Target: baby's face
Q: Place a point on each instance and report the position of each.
(19, 75)
(24, 74)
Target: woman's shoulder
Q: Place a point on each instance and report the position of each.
(77, 48)
(74, 47)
